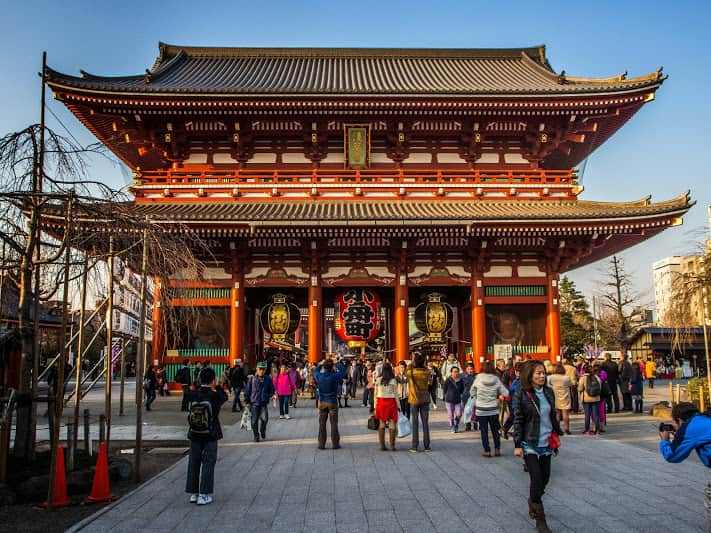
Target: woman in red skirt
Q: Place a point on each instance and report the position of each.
(386, 405)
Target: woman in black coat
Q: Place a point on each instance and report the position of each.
(536, 427)
(637, 386)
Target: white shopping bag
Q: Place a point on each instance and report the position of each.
(246, 421)
(403, 425)
(469, 408)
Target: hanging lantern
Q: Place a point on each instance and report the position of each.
(434, 317)
(357, 316)
(280, 318)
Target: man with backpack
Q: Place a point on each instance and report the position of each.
(204, 432)
(238, 379)
(257, 393)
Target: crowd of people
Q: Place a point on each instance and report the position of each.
(528, 400)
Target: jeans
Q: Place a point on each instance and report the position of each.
(405, 407)
(539, 470)
(591, 411)
(369, 394)
(150, 397)
(454, 410)
(201, 467)
(420, 412)
(184, 402)
(284, 405)
(236, 401)
(294, 396)
(613, 400)
(352, 387)
(433, 395)
(328, 410)
(484, 423)
(260, 417)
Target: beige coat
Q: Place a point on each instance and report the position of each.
(560, 383)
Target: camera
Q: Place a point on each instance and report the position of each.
(663, 426)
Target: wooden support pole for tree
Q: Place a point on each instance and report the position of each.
(71, 445)
(678, 393)
(102, 428)
(140, 362)
(87, 430)
(78, 360)
(59, 400)
(109, 342)
(123, 374)
(671, 392)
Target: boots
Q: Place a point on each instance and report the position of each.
(393, 434)
(381, 437)
(536, 512)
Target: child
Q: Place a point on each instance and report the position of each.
(452, 391)
(205, 430)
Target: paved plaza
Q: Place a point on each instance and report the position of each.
(286, 484)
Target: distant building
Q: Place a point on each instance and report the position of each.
(677, 293)
(666, 274)
(127, 303)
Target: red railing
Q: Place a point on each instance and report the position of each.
(276, 177)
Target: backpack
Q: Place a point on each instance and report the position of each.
(606, 391)
(593, 386)
(200, 418)
(181, 378)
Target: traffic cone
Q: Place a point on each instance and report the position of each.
(100, 490)
(60, 482)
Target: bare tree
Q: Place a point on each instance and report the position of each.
(617, 299)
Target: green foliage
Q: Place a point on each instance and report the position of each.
(576, 322)
(695, 388)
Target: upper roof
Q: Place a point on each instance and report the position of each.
(356, 71)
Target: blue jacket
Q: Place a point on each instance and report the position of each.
(258, 392)
(329, 382)
(515, 384)
(694, 434)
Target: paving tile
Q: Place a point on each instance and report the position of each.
(285, 484)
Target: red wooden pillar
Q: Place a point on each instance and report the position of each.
(315, 321)
(402, 322)
(553, 318)
(158, 322)
(478, 321)
(237, 326)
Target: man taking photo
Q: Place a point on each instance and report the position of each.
(692, 431)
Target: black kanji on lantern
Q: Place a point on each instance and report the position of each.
(358, 316)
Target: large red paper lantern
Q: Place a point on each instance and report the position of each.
(357, 316)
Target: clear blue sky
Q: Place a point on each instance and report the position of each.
(663, 151)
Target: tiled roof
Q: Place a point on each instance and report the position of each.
(355, 71)
(393, 212)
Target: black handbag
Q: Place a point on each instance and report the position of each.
(373, 423)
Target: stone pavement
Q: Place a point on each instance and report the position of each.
(285, 484)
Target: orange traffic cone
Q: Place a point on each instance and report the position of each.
(59, 499)
(100, 490)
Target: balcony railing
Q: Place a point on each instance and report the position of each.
(394, 177)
